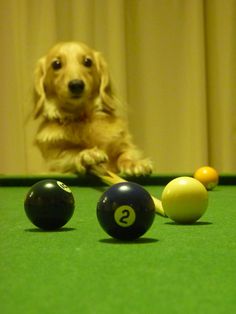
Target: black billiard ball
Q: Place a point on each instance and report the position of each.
(126, 211)
(49, 204)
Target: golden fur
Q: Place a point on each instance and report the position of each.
(81, 123)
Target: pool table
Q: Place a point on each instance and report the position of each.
(80, 269)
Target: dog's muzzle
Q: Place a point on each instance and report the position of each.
(76, 87)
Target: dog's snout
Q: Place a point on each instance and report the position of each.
(76, 86)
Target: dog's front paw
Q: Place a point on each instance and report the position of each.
(90, 157)
(135, 167)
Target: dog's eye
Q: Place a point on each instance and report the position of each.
(88, 62)
(56, 64)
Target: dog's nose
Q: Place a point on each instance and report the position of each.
(76, 86)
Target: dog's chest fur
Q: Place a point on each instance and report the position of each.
(88, 133)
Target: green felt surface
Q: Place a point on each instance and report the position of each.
(172, 269)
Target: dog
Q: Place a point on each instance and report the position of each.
(82, 124)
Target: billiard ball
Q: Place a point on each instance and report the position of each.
(184, 200)
(125, 211)
(49, 204)
(208, 176)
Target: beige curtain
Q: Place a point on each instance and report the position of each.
(173, 63)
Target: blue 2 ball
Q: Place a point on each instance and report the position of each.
(126, 211)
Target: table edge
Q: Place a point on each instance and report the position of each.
(90, 180)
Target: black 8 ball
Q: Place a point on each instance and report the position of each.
(126, 211)
(49, 204)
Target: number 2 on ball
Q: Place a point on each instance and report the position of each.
(125, 216)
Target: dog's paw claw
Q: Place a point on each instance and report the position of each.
(136, 168)
(89, 158)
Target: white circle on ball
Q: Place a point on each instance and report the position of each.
(125, 216)
(63, 186)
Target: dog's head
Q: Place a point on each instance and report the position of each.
(69, 79)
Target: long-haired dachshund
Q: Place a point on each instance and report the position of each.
(81, 120)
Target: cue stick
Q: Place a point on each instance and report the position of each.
(111, 178)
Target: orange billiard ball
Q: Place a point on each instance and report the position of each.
(208, 176)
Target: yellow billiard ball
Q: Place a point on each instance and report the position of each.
(184, 200)
(208, 176)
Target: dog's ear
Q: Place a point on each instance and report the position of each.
(39, 92)
(105, 90)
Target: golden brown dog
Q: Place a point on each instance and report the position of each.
(81, 121)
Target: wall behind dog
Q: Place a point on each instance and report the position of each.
(172, 61)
